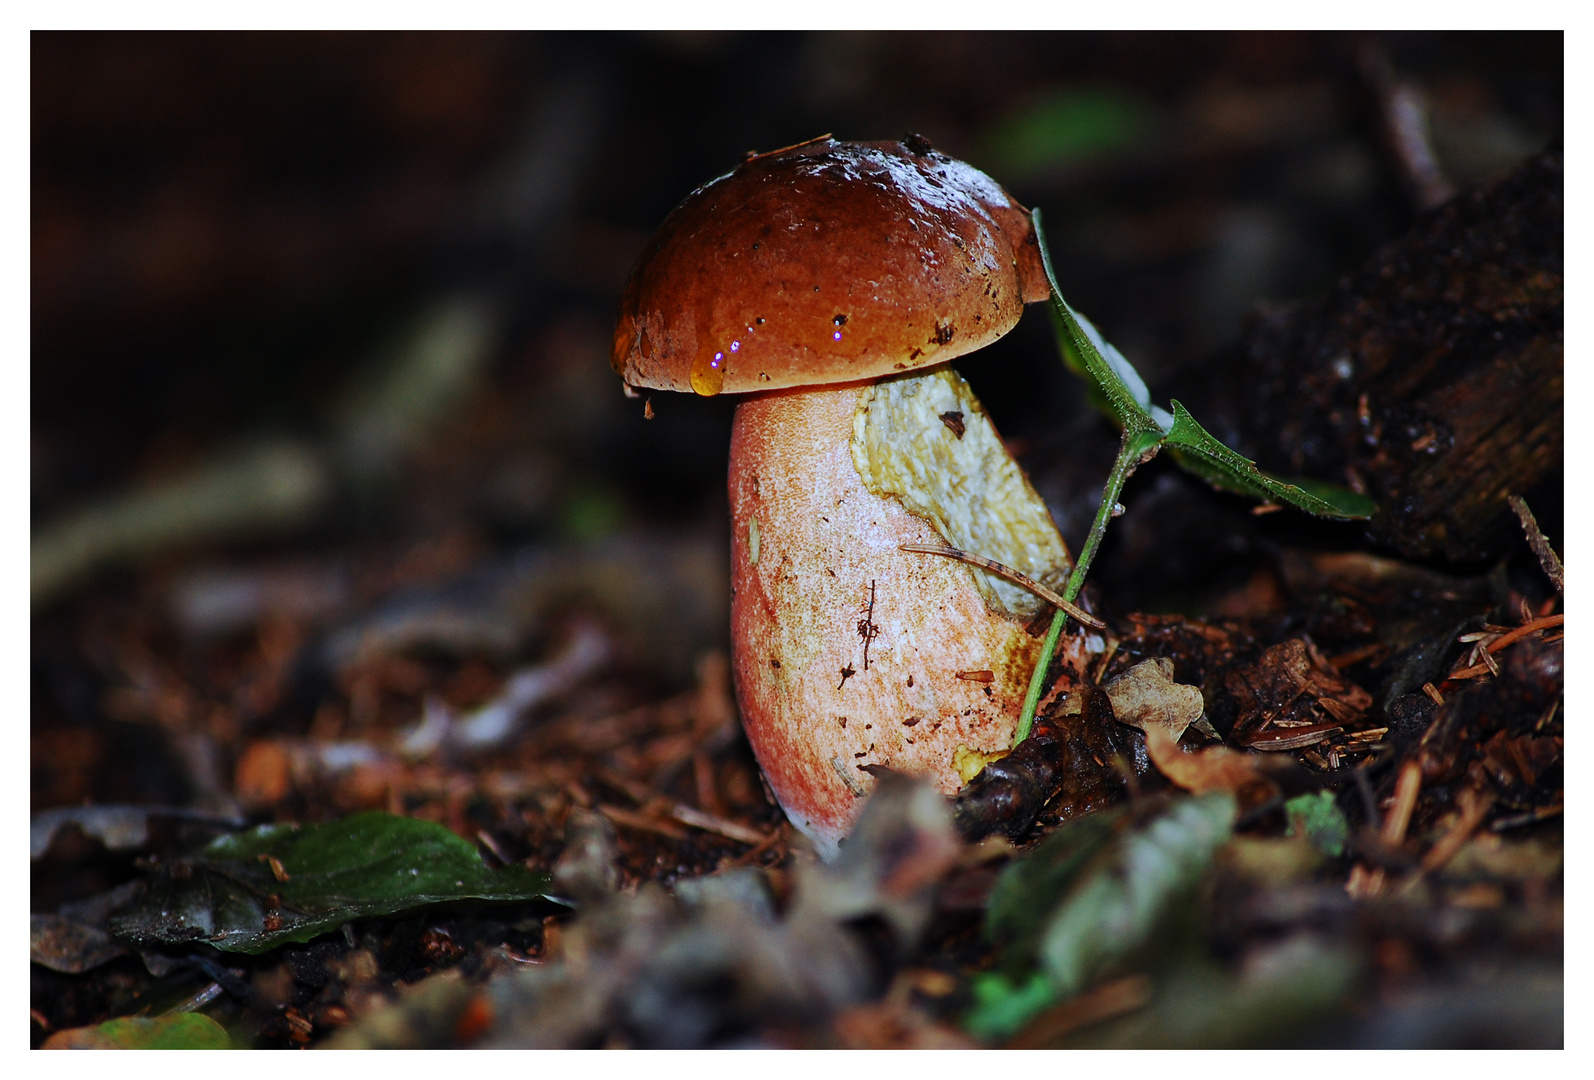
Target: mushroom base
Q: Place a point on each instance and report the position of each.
(850, 652)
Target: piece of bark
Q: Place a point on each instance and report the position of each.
(1432, 376)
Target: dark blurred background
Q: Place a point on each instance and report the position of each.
(395, 258)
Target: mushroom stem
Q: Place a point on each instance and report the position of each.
(848, 650)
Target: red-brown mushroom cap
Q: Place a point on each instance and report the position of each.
(827, 262)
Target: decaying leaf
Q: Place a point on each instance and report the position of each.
(1146, 696)
(1291, 684)
(119, 828)
(902, 845)
(70, 947)
(1217, 768)
(1118, 907)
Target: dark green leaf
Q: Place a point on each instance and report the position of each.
(1221, 466)
(1117, 389)
(183, 1031)
(229, 894)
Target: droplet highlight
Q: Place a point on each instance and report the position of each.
(708, 372)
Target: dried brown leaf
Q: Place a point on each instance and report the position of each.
(1146, 696)
(1216, 768)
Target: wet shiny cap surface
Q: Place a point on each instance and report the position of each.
(826, 262)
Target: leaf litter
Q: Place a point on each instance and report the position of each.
(1156, 879)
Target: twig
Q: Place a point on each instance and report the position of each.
(754, 155)
(1018, 578)
(713, 823)
(750, 856)
(1475, 806)
(867, 629)
(1528, 818)
(1539, 542)
(1399, 817)
(1116, 998)
(638, 821)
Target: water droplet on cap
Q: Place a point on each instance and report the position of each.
(708, 373)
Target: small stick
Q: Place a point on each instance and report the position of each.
(763, 845)
(631, 820)
(754, 155)
(713, 823)
(1002, 570)
(1406, 788)
(1475, 806)
(1539, 542)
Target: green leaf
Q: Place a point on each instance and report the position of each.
(1319, 816)
(1116, 908)
(1028, 890)
(1096, 897)
(1223, 467)
(181, 1031)
(1116, 388)
(1113, 380)
(230, 895)
(1003, 1005)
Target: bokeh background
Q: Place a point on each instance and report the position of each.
(229, 229)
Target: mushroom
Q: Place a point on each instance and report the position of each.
(832, 282)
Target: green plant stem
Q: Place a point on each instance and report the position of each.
(1132, 453)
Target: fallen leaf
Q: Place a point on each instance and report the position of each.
(1116, 908)
(903, 844)
(70, 947)
(1217, 768)
(367, 865)
(1146, 696)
